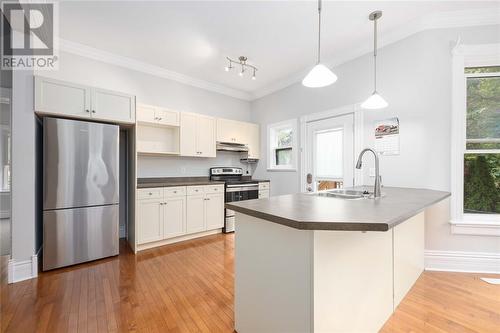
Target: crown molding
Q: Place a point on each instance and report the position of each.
(439, 20)
(140, 66)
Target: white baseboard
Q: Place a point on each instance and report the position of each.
(458, 261)
(23, 270)
(146, 246)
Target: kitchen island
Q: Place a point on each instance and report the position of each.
(306, 263)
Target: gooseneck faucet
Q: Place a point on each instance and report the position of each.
(359, 163)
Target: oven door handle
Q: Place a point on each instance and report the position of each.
(242, 185)
(242, 189)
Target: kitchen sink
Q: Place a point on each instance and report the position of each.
(345, 194)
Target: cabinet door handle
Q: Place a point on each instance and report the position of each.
(93, 111)
(175, 191)
(87, 110)
(150, 193)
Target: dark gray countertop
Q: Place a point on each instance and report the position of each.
(175, 181)
(311, 212)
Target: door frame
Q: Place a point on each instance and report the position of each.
(357, 112)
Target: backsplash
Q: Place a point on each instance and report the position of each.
(174, 166)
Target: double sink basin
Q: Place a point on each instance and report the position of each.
(345, 194)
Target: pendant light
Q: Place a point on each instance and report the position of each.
(375, 101)
(320, 75)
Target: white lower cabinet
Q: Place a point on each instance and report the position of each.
(174, 217)
(214, 210)
(195, 221)
(150, 214)
(166, 213)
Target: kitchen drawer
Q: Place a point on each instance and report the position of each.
(149, 193)
(264, 186)
(214, 189)
(195, 190)
(177, 191)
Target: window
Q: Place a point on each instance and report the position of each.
(482, 143)
(475, 203)
(282, 143)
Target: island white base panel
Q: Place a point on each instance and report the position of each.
(290, 280)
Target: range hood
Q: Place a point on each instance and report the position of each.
(226, 146)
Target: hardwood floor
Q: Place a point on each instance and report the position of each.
(188, 287)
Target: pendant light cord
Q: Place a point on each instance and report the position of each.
(319, 31)
(375, 52)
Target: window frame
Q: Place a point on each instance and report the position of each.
(272, 129)
(464, 56)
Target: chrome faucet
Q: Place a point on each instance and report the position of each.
(376, 190)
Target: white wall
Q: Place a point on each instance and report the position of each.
(415, 78)
(23, 167)
(188, 166)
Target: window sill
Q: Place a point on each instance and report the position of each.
(282, 169)
(475, 228)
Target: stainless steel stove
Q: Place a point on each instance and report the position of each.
(237, 188)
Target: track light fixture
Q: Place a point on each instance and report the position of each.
(242, 62)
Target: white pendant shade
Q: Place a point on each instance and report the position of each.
(319, 76)
(375, 101)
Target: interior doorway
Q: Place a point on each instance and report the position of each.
(328, 150)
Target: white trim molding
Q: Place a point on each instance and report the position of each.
(463, 56)
(475, 228)
(140, 66)
(271, 129)
(459, 261)
(354, 109)
(22, 270)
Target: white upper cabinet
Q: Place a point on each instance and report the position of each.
(231, 131)
(59, 97)
(188, 134)
(205, 136)
(113, 106)
(157, 115)
(74, 100)
(253, 137)
(197, 136)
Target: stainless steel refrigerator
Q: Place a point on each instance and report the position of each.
(80, 191)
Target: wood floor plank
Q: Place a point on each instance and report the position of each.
(189, 287)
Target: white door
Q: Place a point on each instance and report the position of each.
(146, 113)
(205, 136)
(188, 134)
(195, 213)
(214, 210)
(174, 217)
(167, 117)
(59, 97)
(329, 153)
(114, 106)
(150, 213)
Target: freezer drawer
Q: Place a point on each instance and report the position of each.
(72, 236)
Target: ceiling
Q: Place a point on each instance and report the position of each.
(279, 37)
